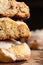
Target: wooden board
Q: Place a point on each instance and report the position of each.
(36, 59)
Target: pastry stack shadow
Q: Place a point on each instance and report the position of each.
(10, 31)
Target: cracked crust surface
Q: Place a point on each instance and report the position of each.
(10, 51)
(13, 29)
(12, 8)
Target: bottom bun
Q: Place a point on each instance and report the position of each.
(10, 51)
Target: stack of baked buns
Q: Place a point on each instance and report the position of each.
(11, 30)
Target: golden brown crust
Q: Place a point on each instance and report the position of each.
(12, 8)
(11, 51)
(12, 29)
(23, 29)
(24, 11)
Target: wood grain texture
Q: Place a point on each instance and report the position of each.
(36, 59)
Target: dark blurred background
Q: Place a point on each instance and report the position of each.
(36, 10)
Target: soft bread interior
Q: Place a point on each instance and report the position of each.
(13, 29)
